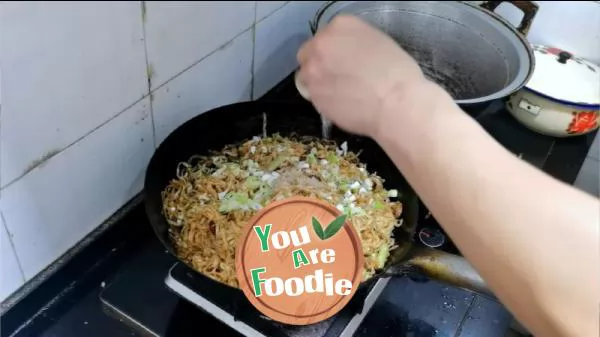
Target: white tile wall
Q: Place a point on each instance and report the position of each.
(180, 33)
(278, 38)
(11, 277)
(68, 72)
(66, 68)
(223, 77)
(569, 25)
(55, 206)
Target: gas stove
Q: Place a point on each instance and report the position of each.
(160, 297)
(235, 311)
(138, 298)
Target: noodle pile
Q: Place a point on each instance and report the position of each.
(213, 197)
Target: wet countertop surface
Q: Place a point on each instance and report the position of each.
(429, 308)
(69, 303)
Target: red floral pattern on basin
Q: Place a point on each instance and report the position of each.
(554, 51)
(583, 121)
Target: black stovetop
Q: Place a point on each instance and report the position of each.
(129, 264)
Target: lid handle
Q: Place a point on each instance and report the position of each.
(529, 9)
(563, 56)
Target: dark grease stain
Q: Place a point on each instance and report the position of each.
(149, 74)
(41, 160)
(225, 46)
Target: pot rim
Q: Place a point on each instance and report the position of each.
(564, 102)
(509, 89)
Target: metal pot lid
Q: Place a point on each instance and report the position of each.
(561, 76)
(498, 62)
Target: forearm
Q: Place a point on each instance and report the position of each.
(541, 260)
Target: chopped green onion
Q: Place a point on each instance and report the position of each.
(237, 200)
(332, 158)
(252, 183)
(276, 163)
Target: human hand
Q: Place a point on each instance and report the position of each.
(350, 68)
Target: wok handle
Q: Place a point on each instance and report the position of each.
(529, 9)
(448, 268)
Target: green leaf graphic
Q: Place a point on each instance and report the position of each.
(318, 229)
(334, 226)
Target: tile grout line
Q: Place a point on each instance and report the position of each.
(268, 15)
(131, 105)
(220, 47)
(253, 52)
(464, 318)
(167, 81)
(148, 71)
(12, 246)
(254, 27)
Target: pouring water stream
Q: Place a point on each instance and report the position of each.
(325, 123)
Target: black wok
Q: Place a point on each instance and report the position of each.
(235, 123)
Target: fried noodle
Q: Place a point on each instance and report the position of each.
(214, 196)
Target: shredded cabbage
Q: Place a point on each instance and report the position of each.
(263, 194)
(237, 200)
(214, 197)
(252, 183)
(276, 163)
(382, 255)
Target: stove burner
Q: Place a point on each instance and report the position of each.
(237, 312)
(432, 238)
(429, 232)
(139, 298)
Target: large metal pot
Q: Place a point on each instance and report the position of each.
(473, 53)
